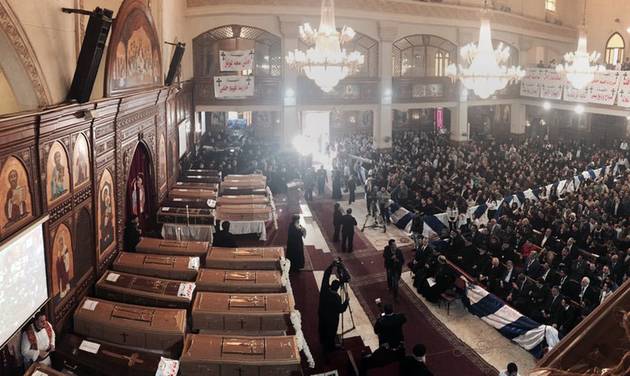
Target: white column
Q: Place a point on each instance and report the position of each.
(382, 127)
(460, 131)
(518, 118)
(290, 121)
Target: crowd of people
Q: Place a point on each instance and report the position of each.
(553, 259)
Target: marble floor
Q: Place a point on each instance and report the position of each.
(485, 340)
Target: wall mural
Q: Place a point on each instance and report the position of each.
(62, 262)
(57, 175)
(133, 57)
(80, 161)
(15, 195)
(106, 213)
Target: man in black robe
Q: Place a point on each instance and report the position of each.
(393, 261)
(224, 238)
(337, 219)
(132, 235)
(295, 243)
(330, 307)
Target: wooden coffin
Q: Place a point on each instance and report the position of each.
(244, 212)
(38, 369)
(203, 171)
(143, 290)
(107, 360)
(244, 281)
(160, 329)
(243, 199)
(248, 177)
(192, 203)
(172, 247)
(192, 185)
(247, 184)
(193, 193)
(253, 258)
(160, 266)
(192, 216)
(217, 355)
(196, 178)
(252, 314)
(237, 191)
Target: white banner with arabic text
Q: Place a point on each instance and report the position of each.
(623, 96)
(233, 86)
(236, 61)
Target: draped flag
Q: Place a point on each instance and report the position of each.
(400, 216)
(526, 332)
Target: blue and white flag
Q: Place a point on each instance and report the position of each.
(526, 332)
(400, 216)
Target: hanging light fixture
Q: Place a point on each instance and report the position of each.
(486, 71)
(580, 66)
(327, 62)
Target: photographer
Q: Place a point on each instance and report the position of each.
(330, 305)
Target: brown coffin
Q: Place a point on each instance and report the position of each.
(253, 258)
(216, 280)
(244, 212)
(196, 178)
(136, 326)
(37, 367)
(143, 290)
(249, 177)
(184, 216)
(237, 191)
(251, 184)
(160, 266)
(245, 313)
(193, 193)
(216, 355)
(191, 203)
(192, 185)
(108, 360)
(172, 247)
(243, 199)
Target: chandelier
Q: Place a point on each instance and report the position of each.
(580, 66)
(327, 63)
(486, 71)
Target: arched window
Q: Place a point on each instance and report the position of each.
(614, 49)
(421, 55)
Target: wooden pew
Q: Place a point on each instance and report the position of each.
(242, 281)
(242, 314)
(233, 355)
(160, 266)
(160, 329)
(143, 290)
(250, 258)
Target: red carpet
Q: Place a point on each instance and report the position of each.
(446, 355)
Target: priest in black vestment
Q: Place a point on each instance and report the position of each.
(295, 243)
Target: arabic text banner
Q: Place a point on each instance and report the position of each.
(233, 86)
(236, 61)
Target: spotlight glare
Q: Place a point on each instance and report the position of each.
(546, 105)
(579, 109)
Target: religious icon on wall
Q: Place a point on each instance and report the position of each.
(80, 161)
(106, 213)
(138, 195)
(57, 176)
(161, 160)
(62, 261)
(15, 191)
(133, 57)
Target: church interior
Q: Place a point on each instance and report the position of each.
(314, 187)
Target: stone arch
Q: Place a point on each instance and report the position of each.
(18, 57)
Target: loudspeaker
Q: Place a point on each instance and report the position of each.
(175, 61)
(91, 53)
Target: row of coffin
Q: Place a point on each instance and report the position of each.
(230, 316)
(195, 197)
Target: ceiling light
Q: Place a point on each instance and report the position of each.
(579, 109)
(546, 105)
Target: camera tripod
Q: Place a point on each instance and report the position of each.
(344, 331)
(379, 222)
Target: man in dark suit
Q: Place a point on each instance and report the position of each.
(415, 364)
(393, 261)
(566, 318)
(224, 238)
(532, 267)
(388, 328)
(552, 306)
(492, 278)
(587, 292)
(347, 231)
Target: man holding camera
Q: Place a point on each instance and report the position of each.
(330, 305)
(394, 262)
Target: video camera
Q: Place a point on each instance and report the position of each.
(341, 272)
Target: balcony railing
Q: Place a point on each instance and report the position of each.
(353, 90)
(267, 91)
